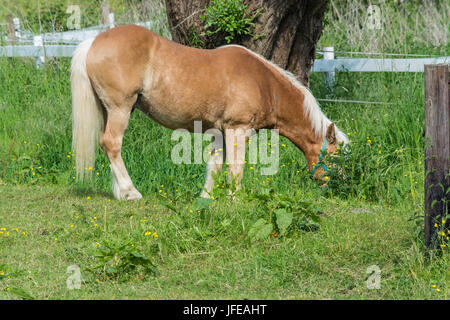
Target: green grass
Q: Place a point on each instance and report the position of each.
(209, 254)
(200, 258)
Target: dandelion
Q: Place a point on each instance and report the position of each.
(97, 244)
(155, 235)
(56, 239)
(89, 198)
(435, 225)
(24, 233)
(251, 168)
(90, 168)
(434, 286)
(438, 290)
(72, 226)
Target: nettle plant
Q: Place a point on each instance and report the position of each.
(281, 215)
(365, 169)
(116, 259)
(230, 18)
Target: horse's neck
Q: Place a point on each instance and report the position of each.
(293, 124)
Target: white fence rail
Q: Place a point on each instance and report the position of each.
(375, 65)
(320, 65)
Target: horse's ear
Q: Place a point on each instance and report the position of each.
(331, 134)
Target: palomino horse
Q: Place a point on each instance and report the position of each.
(226, 88)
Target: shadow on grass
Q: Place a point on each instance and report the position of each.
(83, 191)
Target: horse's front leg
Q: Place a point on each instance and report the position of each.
(236, 143)
(111, 142)
(215, 164)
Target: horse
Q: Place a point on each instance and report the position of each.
(227, 88)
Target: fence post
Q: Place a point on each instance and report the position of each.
(107, 15)
(16, 22)
(328, 54)
(38, 42)
(437, 151)
(111, 20)
(11, 30)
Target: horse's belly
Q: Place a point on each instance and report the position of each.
(173, 115)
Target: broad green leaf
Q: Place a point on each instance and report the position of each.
(202, 203)
(260, 230)
(21, 293)
(284, 220)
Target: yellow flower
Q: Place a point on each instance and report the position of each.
(72, 226)
(90, 168)
(155, 235)
(434, 286)
(89, 198)
(438, 290)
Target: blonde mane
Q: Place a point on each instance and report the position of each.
(319, 121)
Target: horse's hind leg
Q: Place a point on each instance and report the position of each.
(111, 142)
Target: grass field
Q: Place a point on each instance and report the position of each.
(170, 245)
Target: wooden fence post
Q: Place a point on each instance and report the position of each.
(437, 151)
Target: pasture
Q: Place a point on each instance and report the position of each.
(171, 245)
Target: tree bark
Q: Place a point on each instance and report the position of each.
(290, 30)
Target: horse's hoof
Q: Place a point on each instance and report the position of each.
(205, 195)
(133, 195)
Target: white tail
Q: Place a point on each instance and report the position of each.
(86, 114)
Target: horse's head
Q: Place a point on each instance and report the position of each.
(330, 146)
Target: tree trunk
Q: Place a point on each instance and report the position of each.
(290, 30)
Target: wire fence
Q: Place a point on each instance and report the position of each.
(63, 44)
